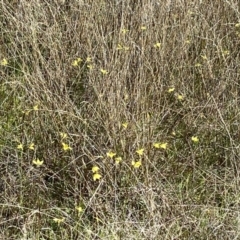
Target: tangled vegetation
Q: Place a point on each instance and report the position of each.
(119, 119)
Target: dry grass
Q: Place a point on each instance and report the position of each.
(187, 191)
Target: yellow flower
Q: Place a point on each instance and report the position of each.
(119, 47)
(20, 146)
(90, 66)
(103, 71)
(79, 209)
(160, 145)
(4, 62)
(88, 59)
(63, 135)
(125, 125)
(198, 65)
(136, 164)
(204, 57)
(157, 45)
(195, 139)
(140, 151)
(143, 27)
(180, 97)
(188, 41)
(35, 108)
(95, 169)
(37, 162)
(59, 220)
(171, 89)
(118, 160)
(111, 154)
(96, 176)
(124, 31)
(66, 146)
(31, 146)
(225, 52)
(76, 62)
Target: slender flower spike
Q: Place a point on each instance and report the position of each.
(96, 176)
(37, 162)
(95, 169)
(171, 90)
(35, 108)
(59, 220)
(66, 147)
(20, 146)
(160, 145)
(125, 125)
(157, 45)
(136, 164)
(195, 139)
(4, 62)
(118, 160)
(111, 154)
(140, 151)
(103, 71)
(31, 146)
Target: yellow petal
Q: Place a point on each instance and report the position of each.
(63, 135)
(140, 151)
(180, 97)
(125, 125)
(35, 108)
(4, 62)
(136, 164)
(90, 66)
(95, 169)
(171, 89)
(96, 176)
(195, 139)
(31, 146)
(89, 59)
(157, 45)
(59, 220)
(37, 162)
(20, 146)
(124, 31)
(103, 71)
(118, 160)
(79, 209)
(111, 154)
(160, 145)
(66, 147)
(119, 47)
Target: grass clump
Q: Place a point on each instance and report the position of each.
(119, 120)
